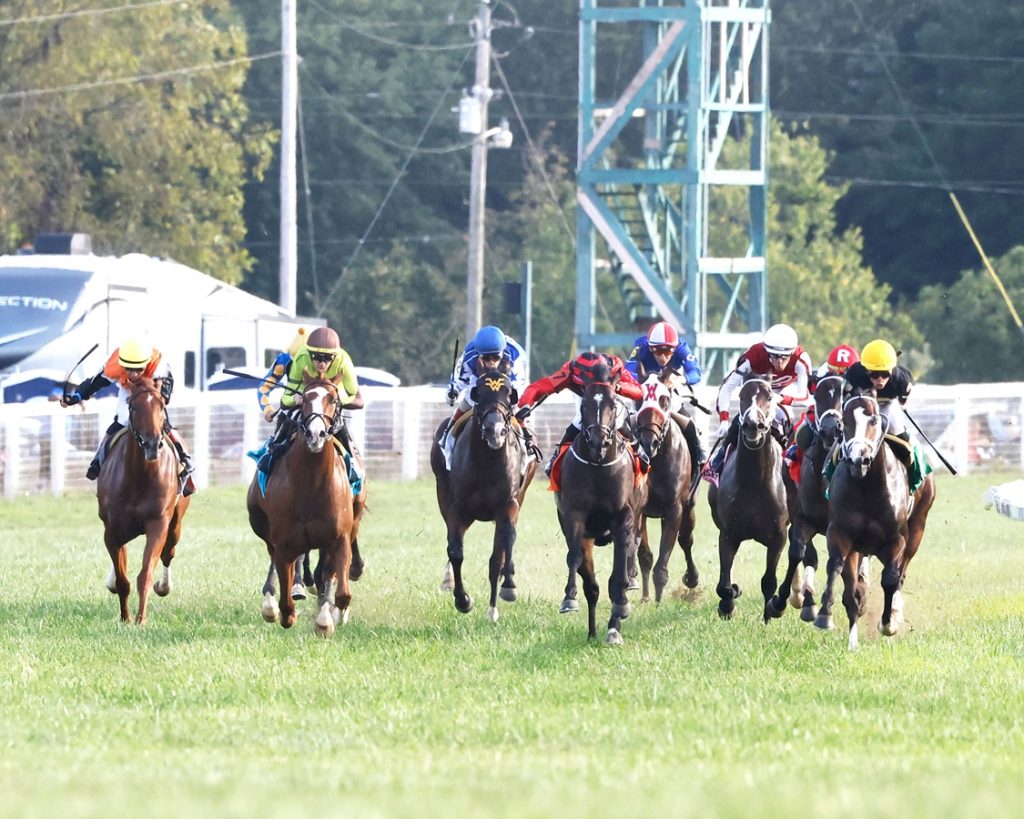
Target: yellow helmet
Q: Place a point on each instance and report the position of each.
(134, 355)
(878, 356)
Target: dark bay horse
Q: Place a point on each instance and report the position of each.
(871, 512)
(491, 471)
(668, 496)
(751, 501)
(138, 493)
(809, 515)
(600, 500)
(308, 505)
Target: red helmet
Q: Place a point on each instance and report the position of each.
(662, 334)
(841, 358)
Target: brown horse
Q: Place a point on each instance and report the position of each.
(871, 512)
(751, 501)
(661, 438)
(138, 493)
(308, 505)
(491, 471)
(809, 515)
(600, 500)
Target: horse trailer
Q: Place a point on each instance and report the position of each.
(56, 306)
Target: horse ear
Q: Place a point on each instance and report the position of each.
(472, 395)
(514, 397)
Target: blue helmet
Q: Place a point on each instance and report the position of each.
(489, 340)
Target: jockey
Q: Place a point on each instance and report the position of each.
(571, 375)
(778, 358)
(489, 349)
(321, 357)
(878, 372)
(275, 376)
(663, 348)
(127, 364)
(838, 362)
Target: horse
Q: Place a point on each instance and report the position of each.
(139, 493)
(661, 438)
(600, 500)
(752, 499)
(871, 512)
(491, 471)
(809, 515)
(309, 505)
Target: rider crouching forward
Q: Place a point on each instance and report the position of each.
(662, 348)
(779, 359)
(130, 362)
(489, 349)
(879, 371)
(573, 376)
(321, 358)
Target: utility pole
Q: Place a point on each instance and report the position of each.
(478, 173)
(288, 250)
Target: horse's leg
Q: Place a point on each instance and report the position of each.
(122, 585)
(456, 534)
(504, 535)
(795, 555)
(806, 587)
(727, 590)
(774, 596)
(852, 595)
(508, 591)
(340, 561)
(838, 547)
(269, 585)
(646, 560)
(156, 535)
(298, 587)
(325, 621)
(358, 507)
(573, 561)
(670, 530)
(685, 539)
(618, 581)
(164, 585)
(590, 588)
(890, 625)
(285, 577)
(307, 572)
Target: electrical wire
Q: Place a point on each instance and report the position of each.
(95, 12)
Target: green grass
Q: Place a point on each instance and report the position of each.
(416, 710)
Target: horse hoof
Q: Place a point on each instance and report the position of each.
(508, 594)
(737, 592)
(298, 592)
(569, 605)
(632, 585)
(621, 611)
(355, 571)
(725, 611)
(807, 614)
(796, 599)
(824, 622)
(492, 614)
(465, 606)
(288, 620)
(774, 608)
(325, 621)
(691, 581)
(271, 613)
(890, 629)
(614, 638)
(161, 589)
(448, 582)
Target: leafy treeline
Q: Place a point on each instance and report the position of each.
(863, 240)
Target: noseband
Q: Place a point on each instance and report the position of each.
(759, 417)
(330, 421)
(136, 393)
(867, 446)
(816, 425)
(603, 431)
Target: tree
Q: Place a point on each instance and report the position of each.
(129, 126)
(971, 335)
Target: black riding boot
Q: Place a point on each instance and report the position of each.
(697, 452)
(532, 450)
(727, 443)
(93, 472)
(274, 445)
(567, 438)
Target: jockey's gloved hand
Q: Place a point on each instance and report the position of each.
(71, 399)
(524, 412)
(453, 395)
(269, 412)
(723, 429)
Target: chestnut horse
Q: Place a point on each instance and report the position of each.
(809, 515)
(661, 438)
(600, 500)
(308, 505)
(751, 501)
(491, 471)
(871, 512)
(138, 493)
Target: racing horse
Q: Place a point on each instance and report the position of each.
(871, 512)
(661, 438)
(809, 515)
(752, 499)
(308, 505)
(139, 493)
(600, 500)
(491, 471)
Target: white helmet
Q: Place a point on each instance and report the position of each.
(780, 339)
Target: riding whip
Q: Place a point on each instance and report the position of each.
(261, 379)
(695, 402)
(64, 390)
(935, 449)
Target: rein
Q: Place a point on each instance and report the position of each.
(330, 421)
(871, 445)
(136, 435)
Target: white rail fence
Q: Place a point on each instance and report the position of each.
(46, 449)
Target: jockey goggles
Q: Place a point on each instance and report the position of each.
(663, 350)
(873, 374)
(323, 358)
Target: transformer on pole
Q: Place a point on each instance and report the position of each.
(661, 153)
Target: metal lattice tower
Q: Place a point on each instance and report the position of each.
(661, 162)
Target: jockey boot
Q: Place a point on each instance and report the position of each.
(448, 440)
(697, 451)
(532, 450)
(274, 445)
(179, 446)
(567, 438)
(93, 472)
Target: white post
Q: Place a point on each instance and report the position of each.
(288, 265)
(410, 437)
(250, 441)
(12, 457)
(58, 451)
(478, 175)
(201, 445)
(961, 437)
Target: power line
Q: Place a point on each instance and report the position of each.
(1005, 187)
(900, 55)
(45, 18)
(158, 75)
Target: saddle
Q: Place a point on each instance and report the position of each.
(910, 455)
(640, 467)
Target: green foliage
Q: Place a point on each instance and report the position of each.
(413, 709)
(971, 334)
(155, 164)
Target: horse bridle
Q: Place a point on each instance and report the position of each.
(816, 423)
(332, 422)
(873, 446)
(136, 392)
(766, 419)
(606, 432)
